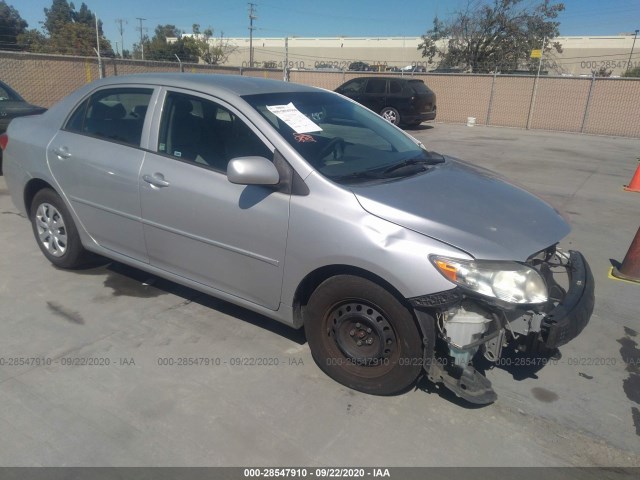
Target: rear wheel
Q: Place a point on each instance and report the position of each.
(362, 336)
(55, 231)
(391, 115)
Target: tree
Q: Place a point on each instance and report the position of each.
(159, 48)
(33, 41)
(602, 72)
(500, 34)
(57, 17)
(12, 26)
(74, 32)
(632, 72)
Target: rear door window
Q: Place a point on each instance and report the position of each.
(376, 86)
(115, 114)
(395, 87)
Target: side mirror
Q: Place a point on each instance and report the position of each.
(252, 171)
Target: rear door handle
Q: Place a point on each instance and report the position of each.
(62, 152)
(157, 180)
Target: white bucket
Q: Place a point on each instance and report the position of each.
(471, 121)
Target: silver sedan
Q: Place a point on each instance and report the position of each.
(301, 205)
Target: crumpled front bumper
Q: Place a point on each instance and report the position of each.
(533, 331)
(571, 315)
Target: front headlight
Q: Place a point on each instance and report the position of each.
(508, 281)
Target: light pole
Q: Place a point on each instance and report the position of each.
(632, 45)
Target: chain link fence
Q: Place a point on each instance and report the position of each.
(594, 105)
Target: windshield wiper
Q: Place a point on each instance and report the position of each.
(432, 160)
(363, 175)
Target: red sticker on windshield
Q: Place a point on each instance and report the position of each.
(303, 138)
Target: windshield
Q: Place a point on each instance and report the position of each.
(341, 139)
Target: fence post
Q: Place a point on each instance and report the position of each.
(533, 101)
(586, 107)
(493, 85)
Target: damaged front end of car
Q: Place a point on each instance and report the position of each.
(535, 307)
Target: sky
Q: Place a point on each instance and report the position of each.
(321, 18)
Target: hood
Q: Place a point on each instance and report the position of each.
(470, 208)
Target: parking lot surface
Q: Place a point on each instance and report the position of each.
(133, 370)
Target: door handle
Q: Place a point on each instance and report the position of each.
(62, 152)
(157, 180)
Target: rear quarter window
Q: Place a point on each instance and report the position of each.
(418, 86)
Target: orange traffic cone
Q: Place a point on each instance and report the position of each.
(630, 268)
(634, 185)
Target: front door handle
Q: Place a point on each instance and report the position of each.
(157, 180)
(62, 152)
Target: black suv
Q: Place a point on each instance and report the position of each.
(402, 101)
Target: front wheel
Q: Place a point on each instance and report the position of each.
(391, 115)
(55, 231)
(362, 336)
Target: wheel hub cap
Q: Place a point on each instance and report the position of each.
(51, 229)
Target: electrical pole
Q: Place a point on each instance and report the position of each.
(141, 35)
(120, 21)
(632, 45)
(252, 17)
(286, 59)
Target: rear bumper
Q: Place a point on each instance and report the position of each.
(569, 317)
(422, 117)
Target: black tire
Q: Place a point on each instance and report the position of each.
(346, 309)
(66, 250)
(391, 115)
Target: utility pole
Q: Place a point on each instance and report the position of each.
(632, 45)
(286, 59)
(141, 35)
(121, 21)
(252, 17)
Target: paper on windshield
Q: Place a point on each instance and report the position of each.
(293, 117)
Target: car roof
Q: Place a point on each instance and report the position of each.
(211, 83)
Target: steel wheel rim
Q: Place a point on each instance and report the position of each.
(362, 333)
(52, 231)
(389, 115)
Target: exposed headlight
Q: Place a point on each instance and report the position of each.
(508, 281)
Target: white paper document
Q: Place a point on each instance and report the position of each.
(293, 117)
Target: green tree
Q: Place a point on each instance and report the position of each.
(34, 41)
(58, 16)
(499, 33)
(632, 72)
(73, 32)
(159, 48)
(12, 26)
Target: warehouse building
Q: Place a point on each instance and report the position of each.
(580, 55)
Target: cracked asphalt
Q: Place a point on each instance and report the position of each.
(110, 366)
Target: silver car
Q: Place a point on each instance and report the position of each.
(301, 205)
